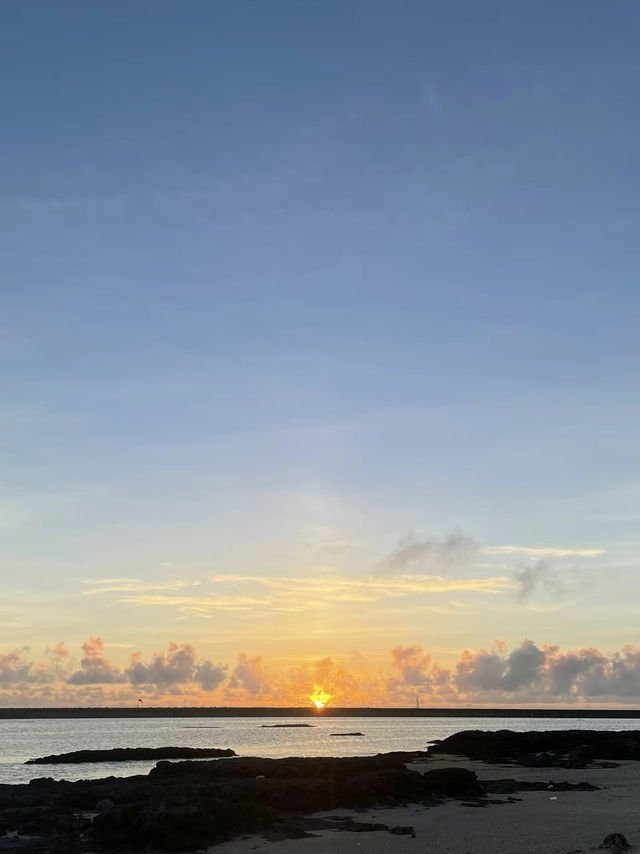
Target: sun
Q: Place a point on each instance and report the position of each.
(319, 697)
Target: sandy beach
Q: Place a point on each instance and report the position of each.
(549, 822)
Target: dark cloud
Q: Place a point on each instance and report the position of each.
(173, 667)
(536, 577)
(546, 674)
(176, 667)
(430, 554)
(500, 671)
(592, 675)
(209, 675)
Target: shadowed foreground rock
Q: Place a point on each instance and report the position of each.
(188, 805)
(565, 748)
(615, 842)
(131, 754)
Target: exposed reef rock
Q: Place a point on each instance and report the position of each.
(575, 748)
(131, 754)
(189, 805)
(286, 726)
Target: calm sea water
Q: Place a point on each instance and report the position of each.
(23, 739)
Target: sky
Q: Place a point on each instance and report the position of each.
(319, 352)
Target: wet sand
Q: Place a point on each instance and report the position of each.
(542, 821)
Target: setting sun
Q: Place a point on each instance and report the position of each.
(319, 698)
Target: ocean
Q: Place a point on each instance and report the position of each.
(251, 736)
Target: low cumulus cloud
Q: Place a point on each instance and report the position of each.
(95, 669)
(209, 676)
(15, 669)
(412, 553)
(413, 665)
(173, 667)
(498, 670)
(545, 673)
(177, 666)
(249, 676)
(527, 673)
(592, 675)
(416, 674)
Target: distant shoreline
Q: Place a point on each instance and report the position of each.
(279, 712)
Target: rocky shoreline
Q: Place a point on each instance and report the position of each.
(183, 806)
(187, 806)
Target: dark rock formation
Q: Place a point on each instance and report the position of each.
(564, 748)
(452, 783)
(400, 830)
(131, 754)
(336, 734)
(615, 842)
(189, 805)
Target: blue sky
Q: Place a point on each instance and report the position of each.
(282, 282)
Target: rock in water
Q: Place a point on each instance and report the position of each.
(131, 754)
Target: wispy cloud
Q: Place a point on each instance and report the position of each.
(542, 551)
(278, 595)
(134, 585)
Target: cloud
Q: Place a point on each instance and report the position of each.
(412, 553)
(532, 673)
(16, 669)
(249, 675)
(276, 595)
(174, 667)
(178, 666)
(59, 651)
(134, 585)
(532, 578)
(94, 668)
(413, 665)
(209, 676)
(544, 577)
(592, 675)
(528, 673)
(542, 552)
(416, 675)
(499, 671)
